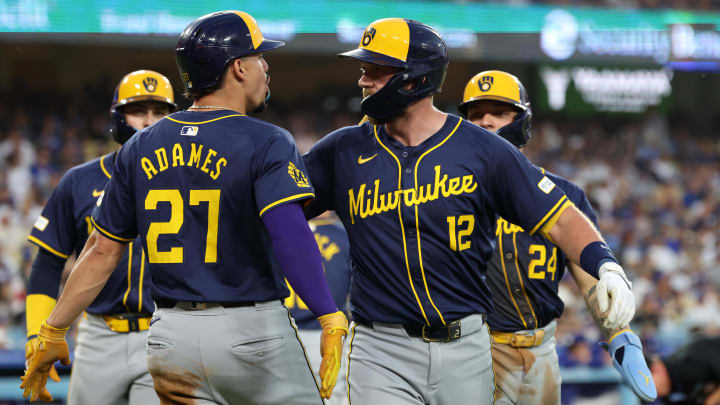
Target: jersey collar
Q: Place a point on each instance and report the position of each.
(107, 163)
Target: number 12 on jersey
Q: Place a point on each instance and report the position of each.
(456, 238)
(177, 214)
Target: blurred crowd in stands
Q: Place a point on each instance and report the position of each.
(655, 187)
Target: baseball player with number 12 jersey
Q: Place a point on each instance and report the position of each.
(418, 192)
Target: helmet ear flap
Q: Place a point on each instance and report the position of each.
(120, 130)
(519, 131)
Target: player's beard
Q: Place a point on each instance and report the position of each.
(261, 107)
(263, 104)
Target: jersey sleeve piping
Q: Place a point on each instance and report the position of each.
(47, 247)
(550, 214)
(286, 200)
(108, 234)
(102, 166)
(545, 229)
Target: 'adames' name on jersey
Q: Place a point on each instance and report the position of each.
(152, 165)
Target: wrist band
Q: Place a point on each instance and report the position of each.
(594, 255)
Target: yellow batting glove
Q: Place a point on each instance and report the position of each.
(29, 350)
(49, 347)
(334, 330)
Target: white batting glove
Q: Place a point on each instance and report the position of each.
(614, 296)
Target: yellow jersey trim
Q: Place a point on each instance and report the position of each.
(417, 219)
(507, 281)
(402, 227)
(142, 274)
(129, 276)
(548, 215)
(522, 284)
(102, 167)
(205, 122)
(47, 247)
(545, 229)
(286, 199)
(108, 234)
(616, 334)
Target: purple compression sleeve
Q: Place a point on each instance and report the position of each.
(299, 257)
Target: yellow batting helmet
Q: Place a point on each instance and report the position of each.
(417, 49)
(140, 85)
(506, 88)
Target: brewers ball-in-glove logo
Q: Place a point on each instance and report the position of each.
(368, 36)
(297, 175)
(486, 83)
(150, 84)
(186, 79)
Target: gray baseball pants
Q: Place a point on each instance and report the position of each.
(110, 368)
(387, 366)
(217, 355)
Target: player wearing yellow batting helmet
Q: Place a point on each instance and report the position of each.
(527, 301)
(500, 89)
(117, 321)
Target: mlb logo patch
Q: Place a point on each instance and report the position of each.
(546, 185)
(189, 130)
(41, 223)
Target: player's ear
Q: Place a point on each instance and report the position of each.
(237, 69)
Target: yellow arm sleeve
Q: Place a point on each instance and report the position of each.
(37, 309)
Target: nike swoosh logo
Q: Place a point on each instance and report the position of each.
(362, 160)
(97, 193)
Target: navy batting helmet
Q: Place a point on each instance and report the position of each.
(410, 45)
(506, 88)
(209, 43)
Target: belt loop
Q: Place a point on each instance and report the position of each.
(133, 325)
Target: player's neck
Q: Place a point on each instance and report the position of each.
(417, 123)
(222, 99)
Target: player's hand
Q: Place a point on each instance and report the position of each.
(614, 296)
(29, 350)
(49, 347)
(334, 330)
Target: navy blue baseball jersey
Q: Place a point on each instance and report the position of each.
(525, 271)
(194, 187)
(335, 253)
(421, 220)
(64, 226)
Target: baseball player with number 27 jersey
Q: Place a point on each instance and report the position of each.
(215, 197)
